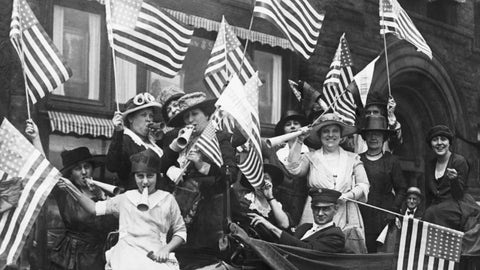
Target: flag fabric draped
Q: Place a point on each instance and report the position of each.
(362, 81)
(425, 245)
(19, 158)
(227, 58)
(208, 144)
(241, 102)
(43, 65)
(145, 33)
(394, 19)
(297, 19)
(335, 92)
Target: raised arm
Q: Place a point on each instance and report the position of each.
(73, 191)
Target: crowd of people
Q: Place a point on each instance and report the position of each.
(310, 196)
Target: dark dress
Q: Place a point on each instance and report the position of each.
(330, 239)
(385, 177)
(83, 245)
(444, 196)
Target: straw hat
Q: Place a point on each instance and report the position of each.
(326, 120)
(141, 101)
(191, 101)
(166, 96)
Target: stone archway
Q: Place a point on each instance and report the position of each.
(425, 96)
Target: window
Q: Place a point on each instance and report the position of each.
(270, 72)
(476, 14)
(443, 11)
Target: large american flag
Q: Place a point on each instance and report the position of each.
(241, 103)
(425, 245)
(393, 19)
(335, 93)
(227, 58)
(19, 158)
(42, 63)
(147, 34)
(208, 144)
(297, 19)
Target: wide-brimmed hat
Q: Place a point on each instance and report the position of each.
(289, 115)
(439, 130)
(146, 161)
(191, 101)
(322, 196)
(166, 96)
(71, 158)
(375, 123)
(330, 119)
(141, 101)
(414, 190)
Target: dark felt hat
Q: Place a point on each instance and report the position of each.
(71, 158)
(289, 115)
(141, 101)
(191, 101)
(439, 130)
(375, 123)
(146, 161)
(324, 196)
(414, 190)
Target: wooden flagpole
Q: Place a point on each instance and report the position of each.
(108, 15)
(247, 41)
(386, 61)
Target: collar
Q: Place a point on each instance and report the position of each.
(321, 227)
(137, 140)
(153, 199)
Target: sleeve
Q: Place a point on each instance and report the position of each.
(177, 224)
(334, 242)
(299, 168)
(361, 186)
(399, 185)
(460, 164)
(117, 157)
(110, 206)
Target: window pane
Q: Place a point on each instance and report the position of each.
(77, 35)
(270, 72)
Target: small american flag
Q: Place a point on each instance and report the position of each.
(43, 65)
(297, 19)
(145, 33)
(335, 93)
(19, 158)
(226, 59)
(207, 143)
(393, 19)
(425, 245)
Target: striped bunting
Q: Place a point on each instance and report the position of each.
(80, 124)
(425, 245)
(226, 59)
(19, 158)
(207, 143)
(42, 63)
(297, 19)
(394, 19)
(145, 33)
(335, 91)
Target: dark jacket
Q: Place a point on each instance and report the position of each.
(330, 239)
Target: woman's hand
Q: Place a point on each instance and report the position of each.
(194, 156)
(451, 173)
(31, 130)
(162, 255)
(268, 190)
(118, 121)
(64, 183)
(257, 219)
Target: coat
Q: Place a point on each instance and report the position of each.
(330, 239)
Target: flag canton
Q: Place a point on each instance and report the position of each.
(28, 19)
(14, 150)
(125, 12)
(231, 39)
(345, 56)
(444, 244)
(386, 6)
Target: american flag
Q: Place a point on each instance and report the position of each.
(425, 245)
(297, 19)
(42, 63)
(241, 103)
(19, 158)
(146, 33)
(393, 19)
(335, 93)
(227, 58)
(207, 143)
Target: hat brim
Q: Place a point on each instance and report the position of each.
(177, 120)
(155, 105)
(280, 125)
(314, 138)
(322, 204)
(387, 131)
(96, 160)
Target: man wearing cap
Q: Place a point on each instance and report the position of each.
(323, 235)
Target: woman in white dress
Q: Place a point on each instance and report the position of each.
(334, 168)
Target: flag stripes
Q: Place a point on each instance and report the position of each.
(43, 65)
(19, 158)
(226, 59)
(394, 19)
(297, 19)
(145, 33)
(208, 144)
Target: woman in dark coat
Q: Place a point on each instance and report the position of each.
(385, 175)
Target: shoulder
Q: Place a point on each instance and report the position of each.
(458, 158)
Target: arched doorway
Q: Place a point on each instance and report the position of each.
(425, 96)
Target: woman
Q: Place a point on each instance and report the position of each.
(385, 175)
(143, 240)
(333, 168)
(445, 179)
(292, 192)
(200, 193)
(133, 134)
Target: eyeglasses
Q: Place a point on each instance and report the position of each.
(143, 98)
